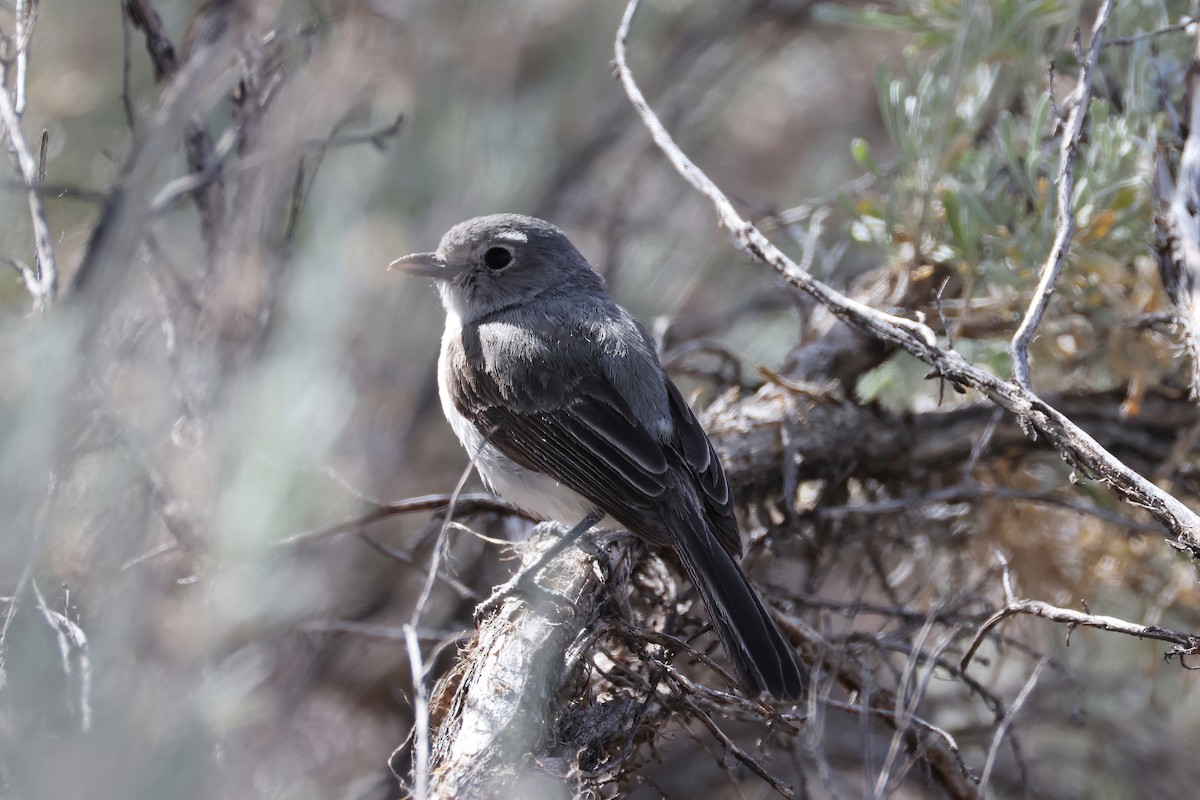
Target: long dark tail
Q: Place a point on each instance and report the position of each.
(759, 652)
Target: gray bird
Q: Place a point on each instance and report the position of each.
(558, 396)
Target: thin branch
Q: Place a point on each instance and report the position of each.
(1006, 723)
(186, 184)
(420, 714)
(1077, 447)
(731, 746)
(1125, 41)
(25, 12)
(26, 272)
(969, 491)
(466, 504)
(906, 700)
(27, 166)
(58, 191)
(127, 67)
(144, 17)
(944, 762)
(1081, 100)
(439, 548)
(463, 591)
(1186, 643)
(74, 650)
(1177, 226)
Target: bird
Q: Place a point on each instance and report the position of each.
(558, 396)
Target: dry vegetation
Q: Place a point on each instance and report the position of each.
(212, 394)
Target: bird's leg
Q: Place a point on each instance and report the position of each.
(524, 579)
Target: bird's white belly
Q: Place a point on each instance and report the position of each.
(532, 492)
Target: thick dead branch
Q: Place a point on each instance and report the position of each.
(493, 713)
(830, 436)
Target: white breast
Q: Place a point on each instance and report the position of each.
(533, 492)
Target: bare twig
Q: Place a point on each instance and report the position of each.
(463, 591)
(944, 762)
(439, 548)
(420, 702)
(906, 701)
(1125, 41)
(127, 67)
(465, 504)
(189, 183)
(1076, 446)
(58, 191)
(1006, 723)
(25, 271)
(1080, 101)
(144, 17)
(25, 12)
(1177, 225)
(971, 491)
(872, 711)
(27, 166)
(732, 748)
(1185, 643)
(75, 653)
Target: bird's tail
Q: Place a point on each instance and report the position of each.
(761, 655)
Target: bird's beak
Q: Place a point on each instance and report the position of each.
(423, 265)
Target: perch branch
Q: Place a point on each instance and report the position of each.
(492, 713)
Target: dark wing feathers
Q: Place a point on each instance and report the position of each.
(580, 431)
(615, 427)
(563, 445)
(697, 450)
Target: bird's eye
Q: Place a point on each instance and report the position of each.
(497, 257)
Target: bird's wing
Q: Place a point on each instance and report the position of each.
(576, 427)
(697, 451)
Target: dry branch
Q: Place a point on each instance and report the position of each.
(1079, 449)
(42, 284)
(1185, 643)
(1080, 99)
(936, 751)
(492, 714)
(1177, 223)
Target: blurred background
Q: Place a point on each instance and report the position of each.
(228, 370)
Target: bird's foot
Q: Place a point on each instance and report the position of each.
(522, 583)
(524, 580)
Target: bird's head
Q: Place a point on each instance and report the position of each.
(501, 261)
